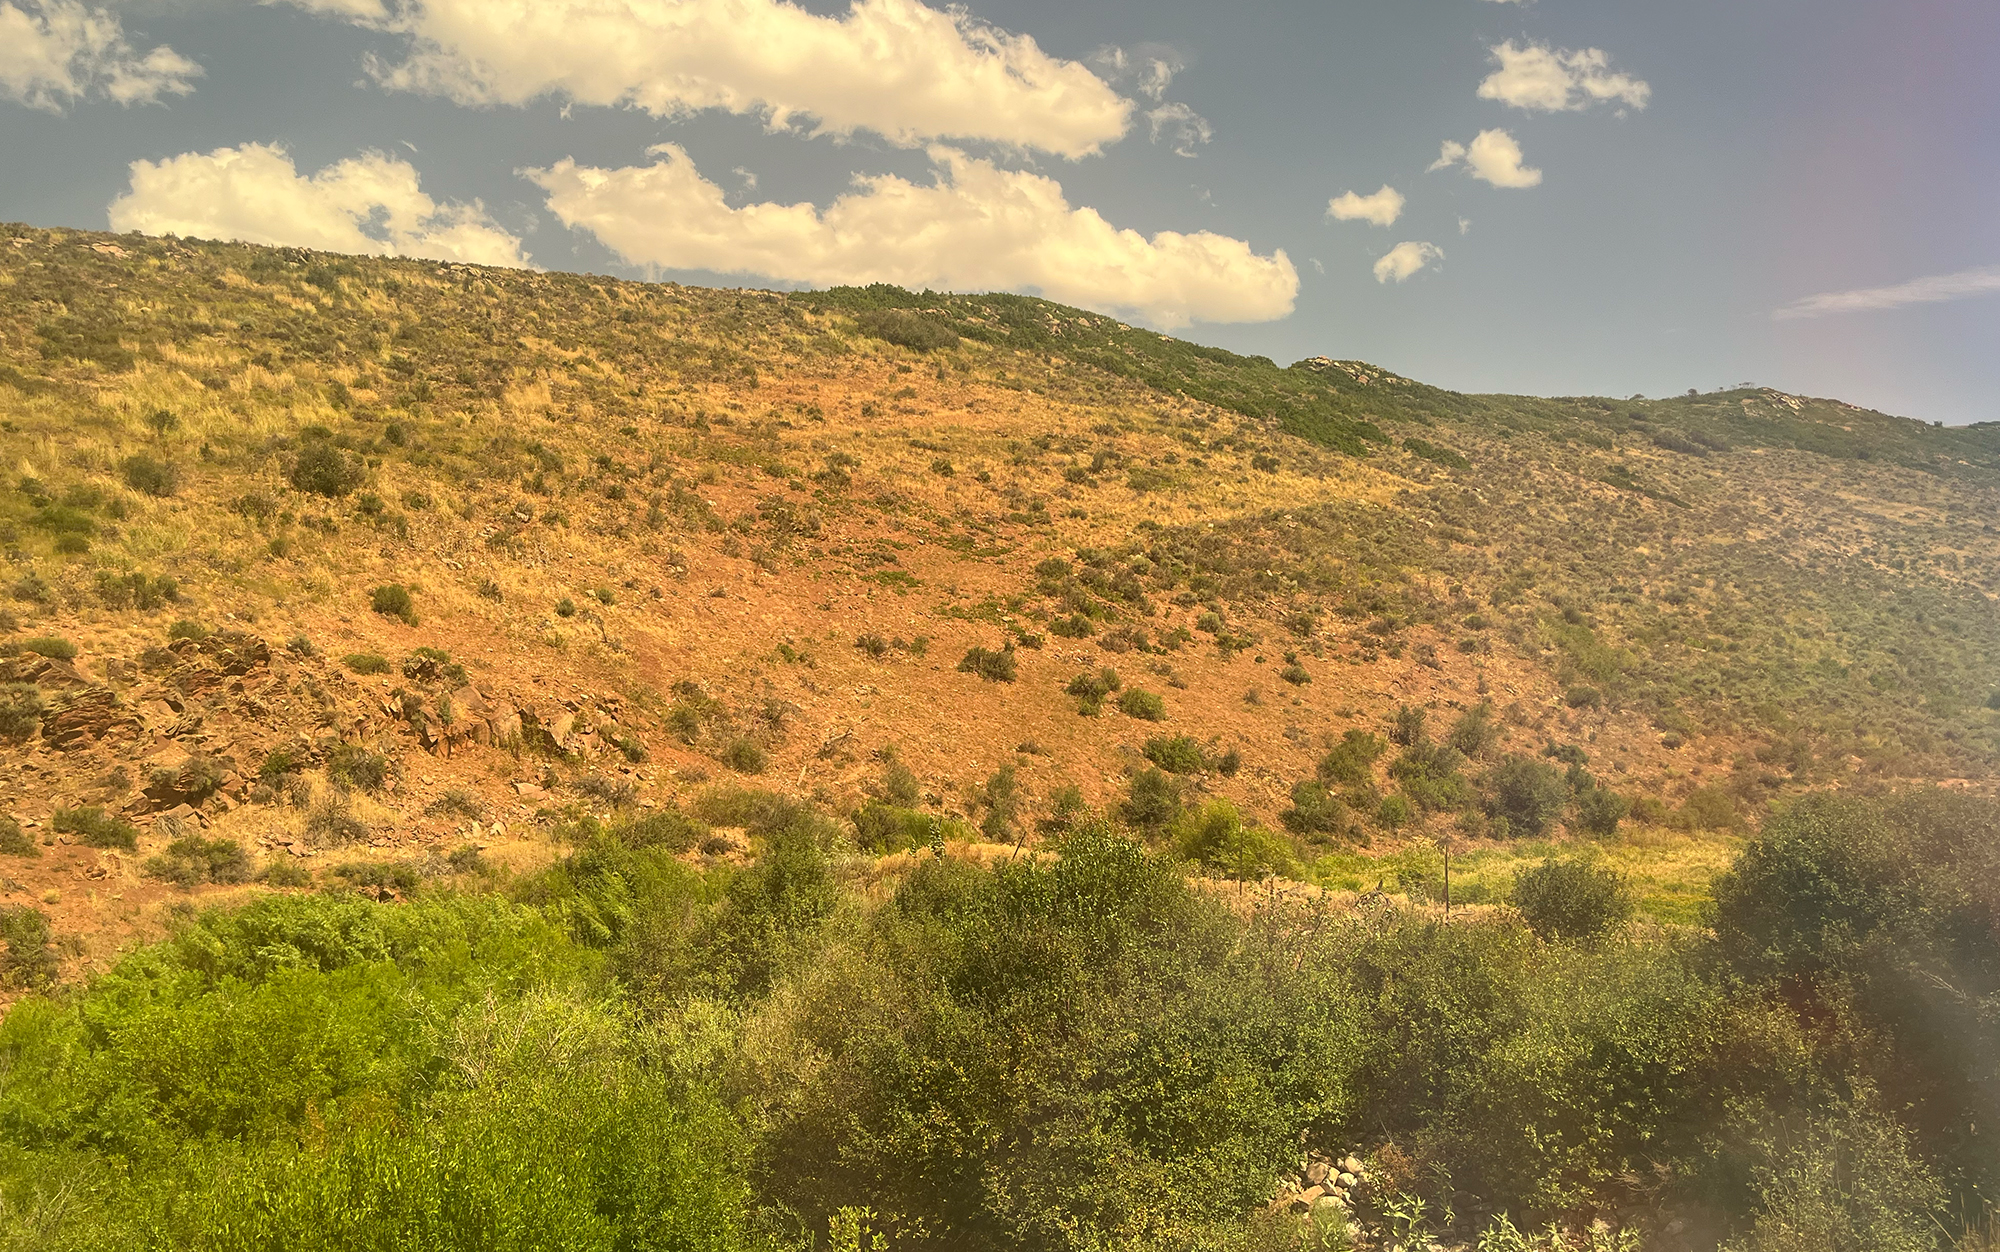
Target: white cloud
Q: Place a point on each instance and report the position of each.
(895, 67)
(1536, 76)
(1381, 208)
(370, 205)
(1148, 69)
(1493, 157)
(54, 52)
(1930, 290)
(1464, 226)
(1405, 259)
(1182, 127)
(975, 228)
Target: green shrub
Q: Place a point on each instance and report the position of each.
(153, 477)
(1599, 810)
(98, 828)
(919, 331)
(1531, 795)
(393, 600)
(1314, 811)
(1176, 754)
(353, 767)
(1090, 690)
(280, 872)
(1216, 837)
(1572, 900)
(1142, 704)
(744, 756)
(1153, 801)
(991, 665)
(192, 860)
(27, 961)
(872, 644)
(50, 646)
(14, 841)
(185, 629)
(1474, 734)
(565, 607)
(325, 470)
(1583, 697)
(433, 665)
(21, 709)
(1351, 762)
(881, 827)
(366, 663)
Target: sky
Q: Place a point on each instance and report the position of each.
(1555, 197)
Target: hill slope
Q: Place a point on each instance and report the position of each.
(656, 538)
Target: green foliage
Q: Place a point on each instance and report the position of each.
(919, 331)
(1572, 899)
(1529, 794)
(744, 755)
(192, 860)
(433, 665)
(1428, 774)
(1152, 802)
(1432, 452)
(1474, 734)
(356, 767)
(1142, 704)
(393, 600)
(14, 841)
(21, 710)
(56, 649)
(1314, 811)
(994, 666)
(1351, 762)
(366, 663)
(97, 828)
(1599, 810)
(1091, 690)
(27, 961)
(1176, 754)
(1844, 1180)
(325, 470)
(149, 475)
(1216, 837)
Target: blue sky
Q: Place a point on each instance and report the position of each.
(1644, 197)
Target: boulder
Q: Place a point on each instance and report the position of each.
(48, 672)
(73, 719)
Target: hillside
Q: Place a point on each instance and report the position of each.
(665, 537)
(503, 759)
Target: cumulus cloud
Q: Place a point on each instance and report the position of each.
(55, 52)
(1405, 259)
(1537, 77)
(1493, 156)
(370, 205)
(1381, 208)
(1180, 126)
(975, 228)
(1930, 290)
(896, 67)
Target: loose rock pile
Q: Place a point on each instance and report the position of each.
(1322, 1184)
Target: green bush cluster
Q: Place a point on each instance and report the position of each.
(1070, 1051)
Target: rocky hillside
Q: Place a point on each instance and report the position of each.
(327, 569)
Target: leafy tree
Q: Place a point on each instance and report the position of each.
(1572, 899)
(1529, 794)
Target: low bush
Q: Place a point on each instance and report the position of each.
(1216, 837)
(14, 841)
(1572, 900)
(1529, 794)
(1176, 754)
(994, 666)
(97, 828)
(744, 755)
(353, 767)
(919, 331)
(191, 860)
(324, 470)
(21, 708)
(56, 649)
(366, 663)
(1090, 690)
(393, 600)
(149, 475)
(27, 959)
(1142, 704)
